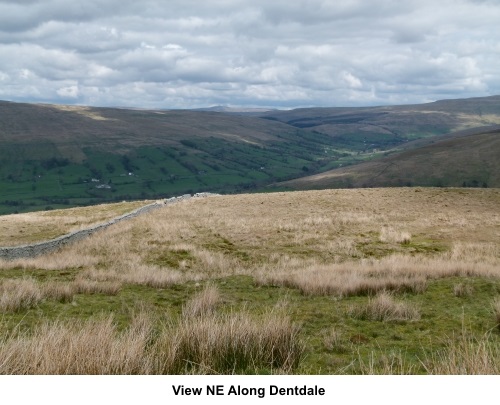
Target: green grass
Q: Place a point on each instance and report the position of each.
(150, 172)
(443, 316)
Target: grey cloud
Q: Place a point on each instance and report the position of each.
(192, 54)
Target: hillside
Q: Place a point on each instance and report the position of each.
(368, 127)
(60, 156)
(366, 281)
(458, 161)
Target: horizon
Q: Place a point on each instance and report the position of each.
(240, 107)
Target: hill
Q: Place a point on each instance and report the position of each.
(458, 161)
(394, 123)
(60, 156)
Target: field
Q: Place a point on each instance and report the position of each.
(367, 281)
(20, 229)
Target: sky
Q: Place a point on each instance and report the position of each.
(248, 53)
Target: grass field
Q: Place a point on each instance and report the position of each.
(20, 229)
(370, 281)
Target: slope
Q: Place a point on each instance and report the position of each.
(375, 128)
(54, 156)
(60, 156)
(462, 160)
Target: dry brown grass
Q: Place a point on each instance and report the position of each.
(395, 272)
(17, 294)
(90, 347)
(345, 279)
(59, 291)
(496, 311)
(333, 339)
(203, 303)
(394, 363)
(18, 229)
(388, 234)
(467, 356)
(228, 343)
(384, 307)
(322, 242)
(463, 290)
(24, 293)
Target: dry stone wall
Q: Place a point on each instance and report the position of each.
(40, 248)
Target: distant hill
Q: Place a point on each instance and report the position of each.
(365, 129)
(471, 160)
(57, 156)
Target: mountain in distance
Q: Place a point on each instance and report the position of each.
(365, 128)
(236, 110)
(55, 156)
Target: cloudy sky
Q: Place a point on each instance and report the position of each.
(279, 53)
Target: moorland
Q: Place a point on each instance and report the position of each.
(360, 281)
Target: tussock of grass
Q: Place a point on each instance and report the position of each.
(91, 347)
(25, 293)
(203, 303)
(385, 308)
(334, 340)
(18, 294)
(463, 290)
(398, 273)
(135, 272)
(231, 343)
(394, 363)
(62, 292)
(345, 279)
(389, 234)
(496, 311)
(469, 355)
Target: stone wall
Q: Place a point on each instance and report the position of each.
(40, 248)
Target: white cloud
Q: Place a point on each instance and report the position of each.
(190, 54)
(351, 80)
(68, 92)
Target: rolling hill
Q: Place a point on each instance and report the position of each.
(59, 156)
(457, 161)
(55, 156)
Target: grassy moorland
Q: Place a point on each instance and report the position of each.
(20, 229)
(395, 280)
